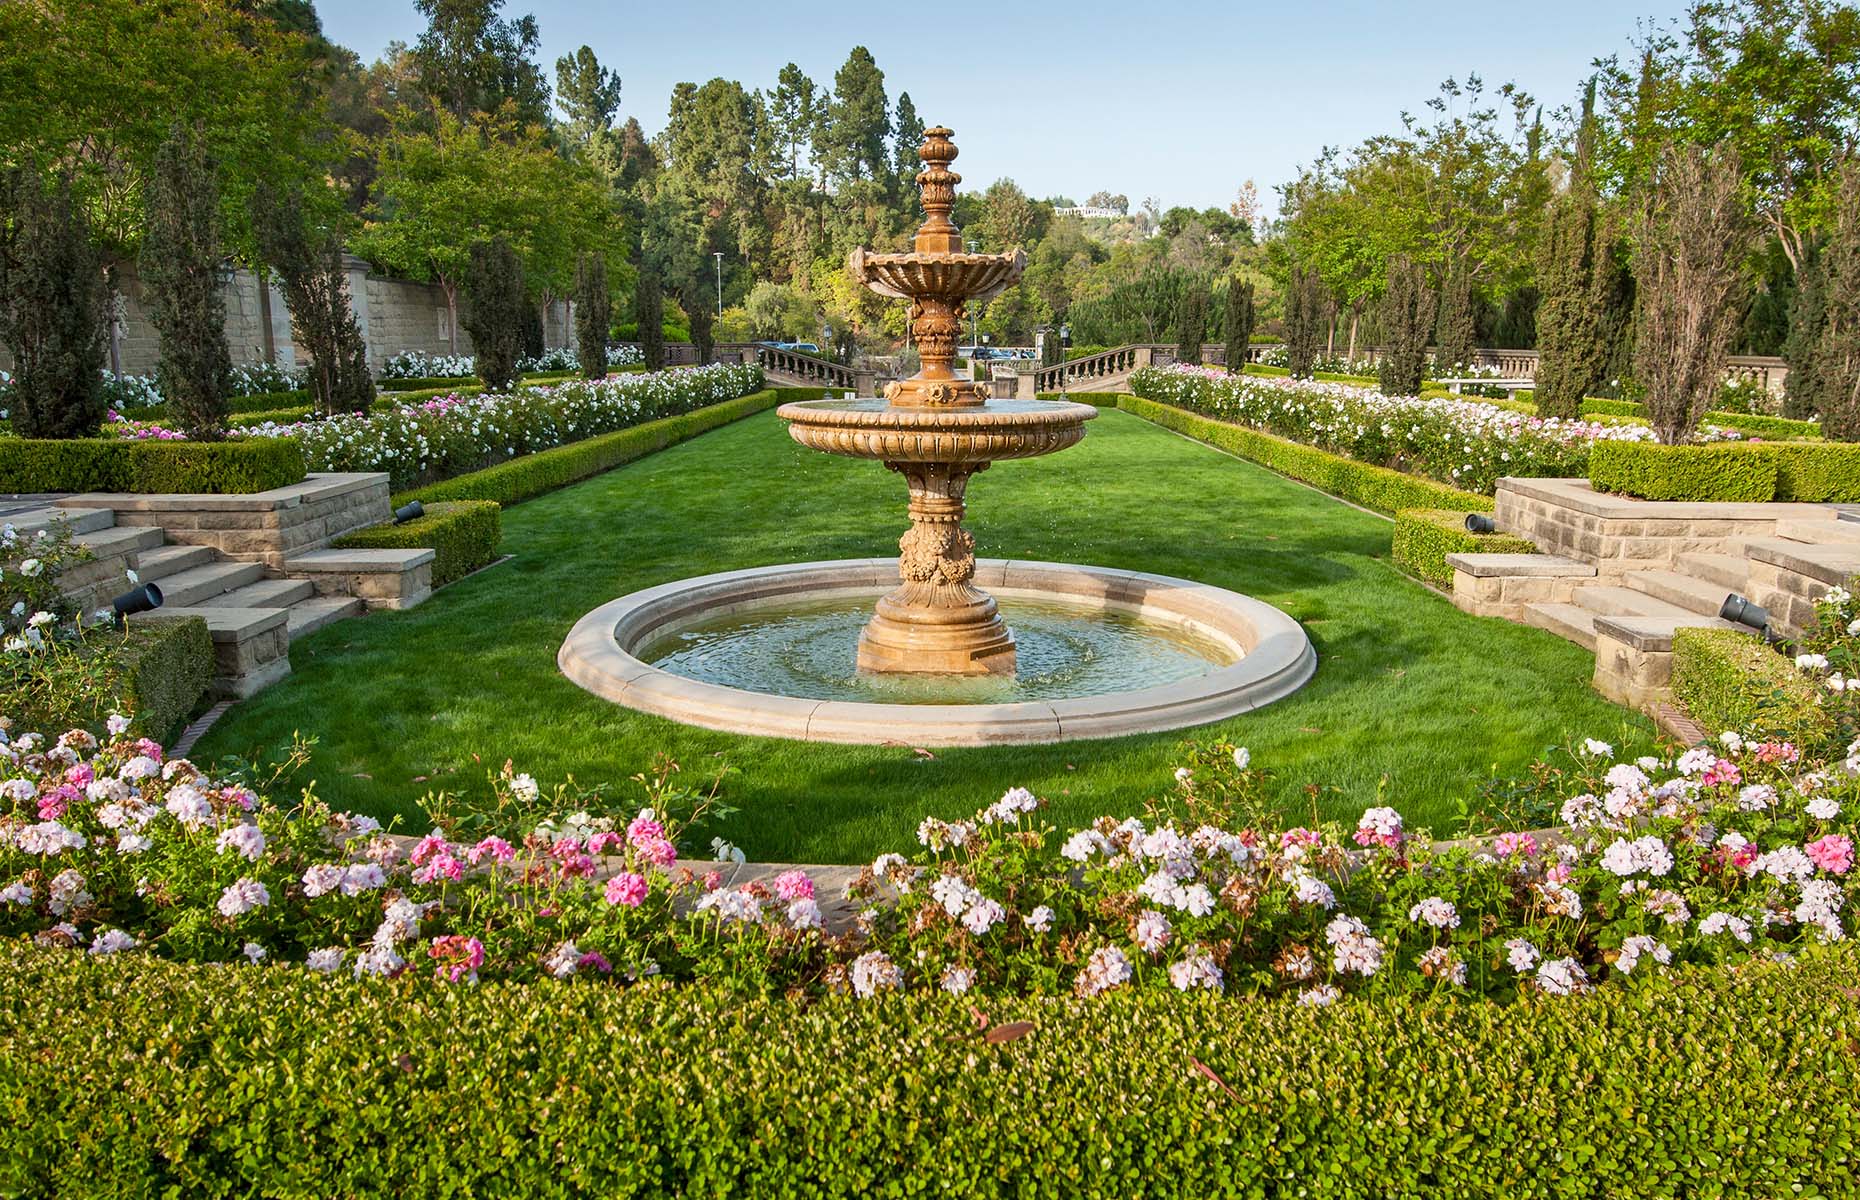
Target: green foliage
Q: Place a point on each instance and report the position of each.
(649, 313)
(1455, 334)
(471, 61)
(180, 266)
(255, 403)
(1808, 317)
(1191, 324)
(1757, 423)
(1728, 679)
(533, 474)
(1693, 473)
(1376, 488)
(1572, 277)
(1238, 323)
(316, 291)
(51, 309)
(165, 665)
(499, 309)
(1836, 358)
(1815, 472)
(156, 671)
(462, 534)
(110, 465)
(1137, 310)
(1407, 319)
(1425, 536)
(1306, 316)
(593, 314)
(1397, 1096)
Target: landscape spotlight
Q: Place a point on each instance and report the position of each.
(1480, 523)
(1740, 611)
(135, 600)
(413, 510)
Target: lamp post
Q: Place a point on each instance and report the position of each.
(718, 255)
(1065, 340)
(974, 248)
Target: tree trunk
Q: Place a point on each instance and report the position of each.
(264, 319)
(452, 316)
(1355, 315)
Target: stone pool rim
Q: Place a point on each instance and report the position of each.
(1278, 658)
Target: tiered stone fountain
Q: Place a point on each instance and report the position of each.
(825, 651)
(937, 430)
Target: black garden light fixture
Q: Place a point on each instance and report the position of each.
(145, 598)
(413, 510)
(1740, 611)
(1480, 523)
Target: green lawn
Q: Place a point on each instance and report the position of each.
(1408, 690)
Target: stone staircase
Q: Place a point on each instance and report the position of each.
(257, 569)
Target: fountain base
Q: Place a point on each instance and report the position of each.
(936, 639)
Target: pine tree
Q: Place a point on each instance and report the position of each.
(1304, 322)
(1573, 272)
(499, 310)
(1407, 319)
(649, 311)
(1688, 254)
(316, 292)
(593, 314)
(1455, 335)
(1808, 319)
(1191, 324)
(1239, 331)
(52, 299)
(180, 265)
(1836, 361)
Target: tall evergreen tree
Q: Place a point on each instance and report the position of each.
(1808, 320)
(1573, 278)
(649, 311)
(858, 120)
(1191, 324)
(794, 110)
(1836, 361)
(533, 340)
(1456, 331)
(593, 314)
(309, 268)
(52, 298)
(1407, 319)
(181, 265)
(471, 60)
(1305, 319)
(1239, 324)
(907, 139)
(499, 309)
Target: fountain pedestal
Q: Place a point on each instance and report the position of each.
(937, 620)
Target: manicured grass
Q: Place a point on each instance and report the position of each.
(1409, 690)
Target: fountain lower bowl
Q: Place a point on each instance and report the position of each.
(1255, 654)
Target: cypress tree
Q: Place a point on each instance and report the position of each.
(1240, 318)
(1407, 319)
(317, 294)
(52, 304)
(181, 264)
(593, 314)
(649, 311)
(533, 340)
(1191, 324)
(1455, 336)
(499, 311)
(1836, 361)
(1808, 319)
(1304, 322)
(1574, 277)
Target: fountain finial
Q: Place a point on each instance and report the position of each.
(937, 183)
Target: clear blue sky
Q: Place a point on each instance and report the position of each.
(1181, 101)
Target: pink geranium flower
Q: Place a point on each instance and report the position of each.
(1833, 853)
(627, 889)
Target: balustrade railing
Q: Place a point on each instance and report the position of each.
(807, 368)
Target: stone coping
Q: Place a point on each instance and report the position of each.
(315, 487)
(1653, 634)
(360, 560)
(1277, 659)
(1580, 495)
(1827, 564)
(1507, 566)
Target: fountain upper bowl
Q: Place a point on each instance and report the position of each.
(876, 429)
(955, 276)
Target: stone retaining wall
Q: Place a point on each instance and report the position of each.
(266, 527)
(1618, 533)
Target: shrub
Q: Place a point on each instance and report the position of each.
(1407, 316)
(532, 475)
(1691, 473)
(166, 664)
(80, 674)
(462, 534)
(1455, 339)
(51, 309)
(649, 314)
(593, 314)
(494, 285)
(272, 1081)
(109, 465)
(1424, 537)
(1372, 487)
(180, 267)
(1815, 472)
(1727, 679)
(316, 292)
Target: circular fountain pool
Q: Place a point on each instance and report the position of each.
(1101, 652)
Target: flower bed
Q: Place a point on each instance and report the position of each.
(1465, 443)
(411, 364)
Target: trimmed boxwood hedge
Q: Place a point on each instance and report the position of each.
(128, 1076)
(1694, 473)
(1727, 679)
(1425, 536)
(1379, 488)
(119, 465)
(256, 402)
(533, 474)
(166, 664)
(1758, 423)
(1815, 472)
(462, 534)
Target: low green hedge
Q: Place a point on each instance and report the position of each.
(1379, 488)
(533, 474)
(129, 1076)
(120, 465)
(1809, 472)
(424, 382)
(256, 402)
(1696, 473)
(1757, 423)
(462, 534)
(1425, 536)
(1727, 679)
(283, 416)
(165, 667)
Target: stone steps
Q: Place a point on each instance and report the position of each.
(118, 541)
(1730, 571)
(162, 561)
(1680, 591)
(77, 520)
(308, 616)
(269, 593)
(1819, 533)
(1607, 600)
(1570, 622)
(201, 586)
